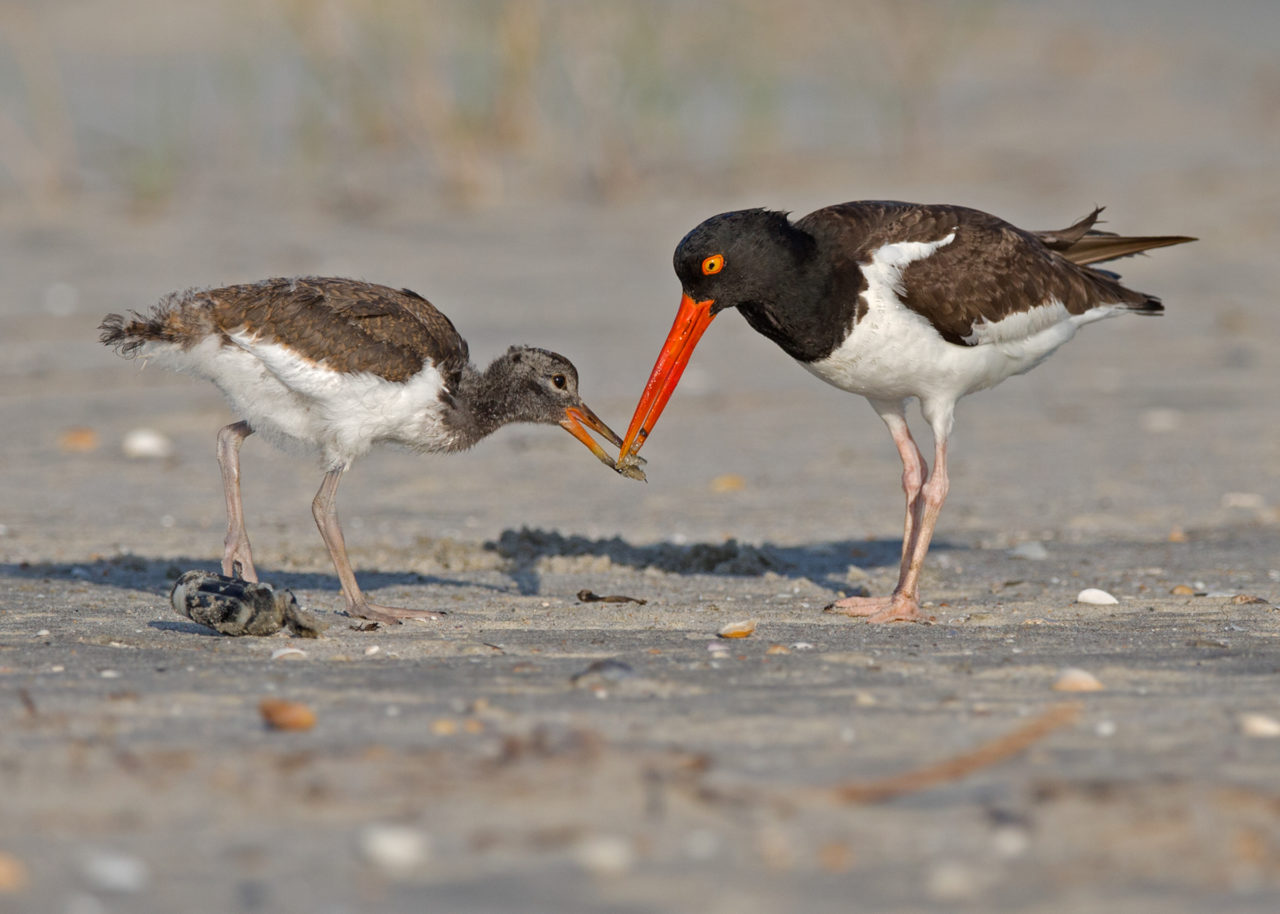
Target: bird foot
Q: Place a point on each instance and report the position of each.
(390, 615)
(239, 564)
(859, 606)
(897, 608)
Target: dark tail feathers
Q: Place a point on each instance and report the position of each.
(1082, 244)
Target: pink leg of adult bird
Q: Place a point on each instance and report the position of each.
(325, 510)
(235, 547)
(925, 494)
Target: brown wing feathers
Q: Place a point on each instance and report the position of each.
(348, 326)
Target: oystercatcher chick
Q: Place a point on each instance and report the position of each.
(337, 366)
(893, 301)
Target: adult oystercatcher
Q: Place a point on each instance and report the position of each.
(892, 301)
(337, 365)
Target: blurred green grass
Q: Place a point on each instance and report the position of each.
(355, 105)
(474, 101)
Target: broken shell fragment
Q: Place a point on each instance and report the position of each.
(738, 629)
(1076, 680)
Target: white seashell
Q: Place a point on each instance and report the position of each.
(395, 849)
(147, 444)
(1096, 597)
(1260, 726)
(108, 871)
(1076, 680)
(288, 653)
(371, 650)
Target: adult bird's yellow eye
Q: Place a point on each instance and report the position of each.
(713, 264)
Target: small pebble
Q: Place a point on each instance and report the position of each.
(802, 646)
(1010, 841)
(1105, 728)
(1260, 726)
(738, 629)
(110, 674)
(605, 855)
(1076, 680)
(598, 671)
(146, 444)
(1033, 550)
(279, 714)
(108, 871)
(951, 882)
(1096, 597)
(729, 482)
(78, 440)
(717, 647)
(1251, 501)
(397, 850)
(1161, 421)
(288, 653)
(371, 650)
(1246, 599)
(1182, 590)
(778, 649)
(13, 873)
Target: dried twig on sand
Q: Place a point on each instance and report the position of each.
(958, 766)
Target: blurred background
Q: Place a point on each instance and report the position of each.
(529, 166)
(357, 108)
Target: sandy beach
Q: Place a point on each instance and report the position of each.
(534, 752)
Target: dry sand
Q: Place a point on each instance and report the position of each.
(460, 766)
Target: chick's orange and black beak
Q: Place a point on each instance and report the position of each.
(576, 417)
(691, 320)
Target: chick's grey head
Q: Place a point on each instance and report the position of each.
(534, 385)
(540, 385)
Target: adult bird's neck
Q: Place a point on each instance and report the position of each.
(810, 311)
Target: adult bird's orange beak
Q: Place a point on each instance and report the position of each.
(576, 417)
(692, 319)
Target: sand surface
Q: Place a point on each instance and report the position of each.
(480, 763)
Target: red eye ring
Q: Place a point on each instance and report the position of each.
(713, 265)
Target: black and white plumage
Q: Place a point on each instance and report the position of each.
(337, 366)
(893, 301)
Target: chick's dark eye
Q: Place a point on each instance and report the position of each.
(558, 381)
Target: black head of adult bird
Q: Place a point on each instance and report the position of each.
(893, 301)
(337, 366)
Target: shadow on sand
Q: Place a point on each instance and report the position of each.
(521, 553)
